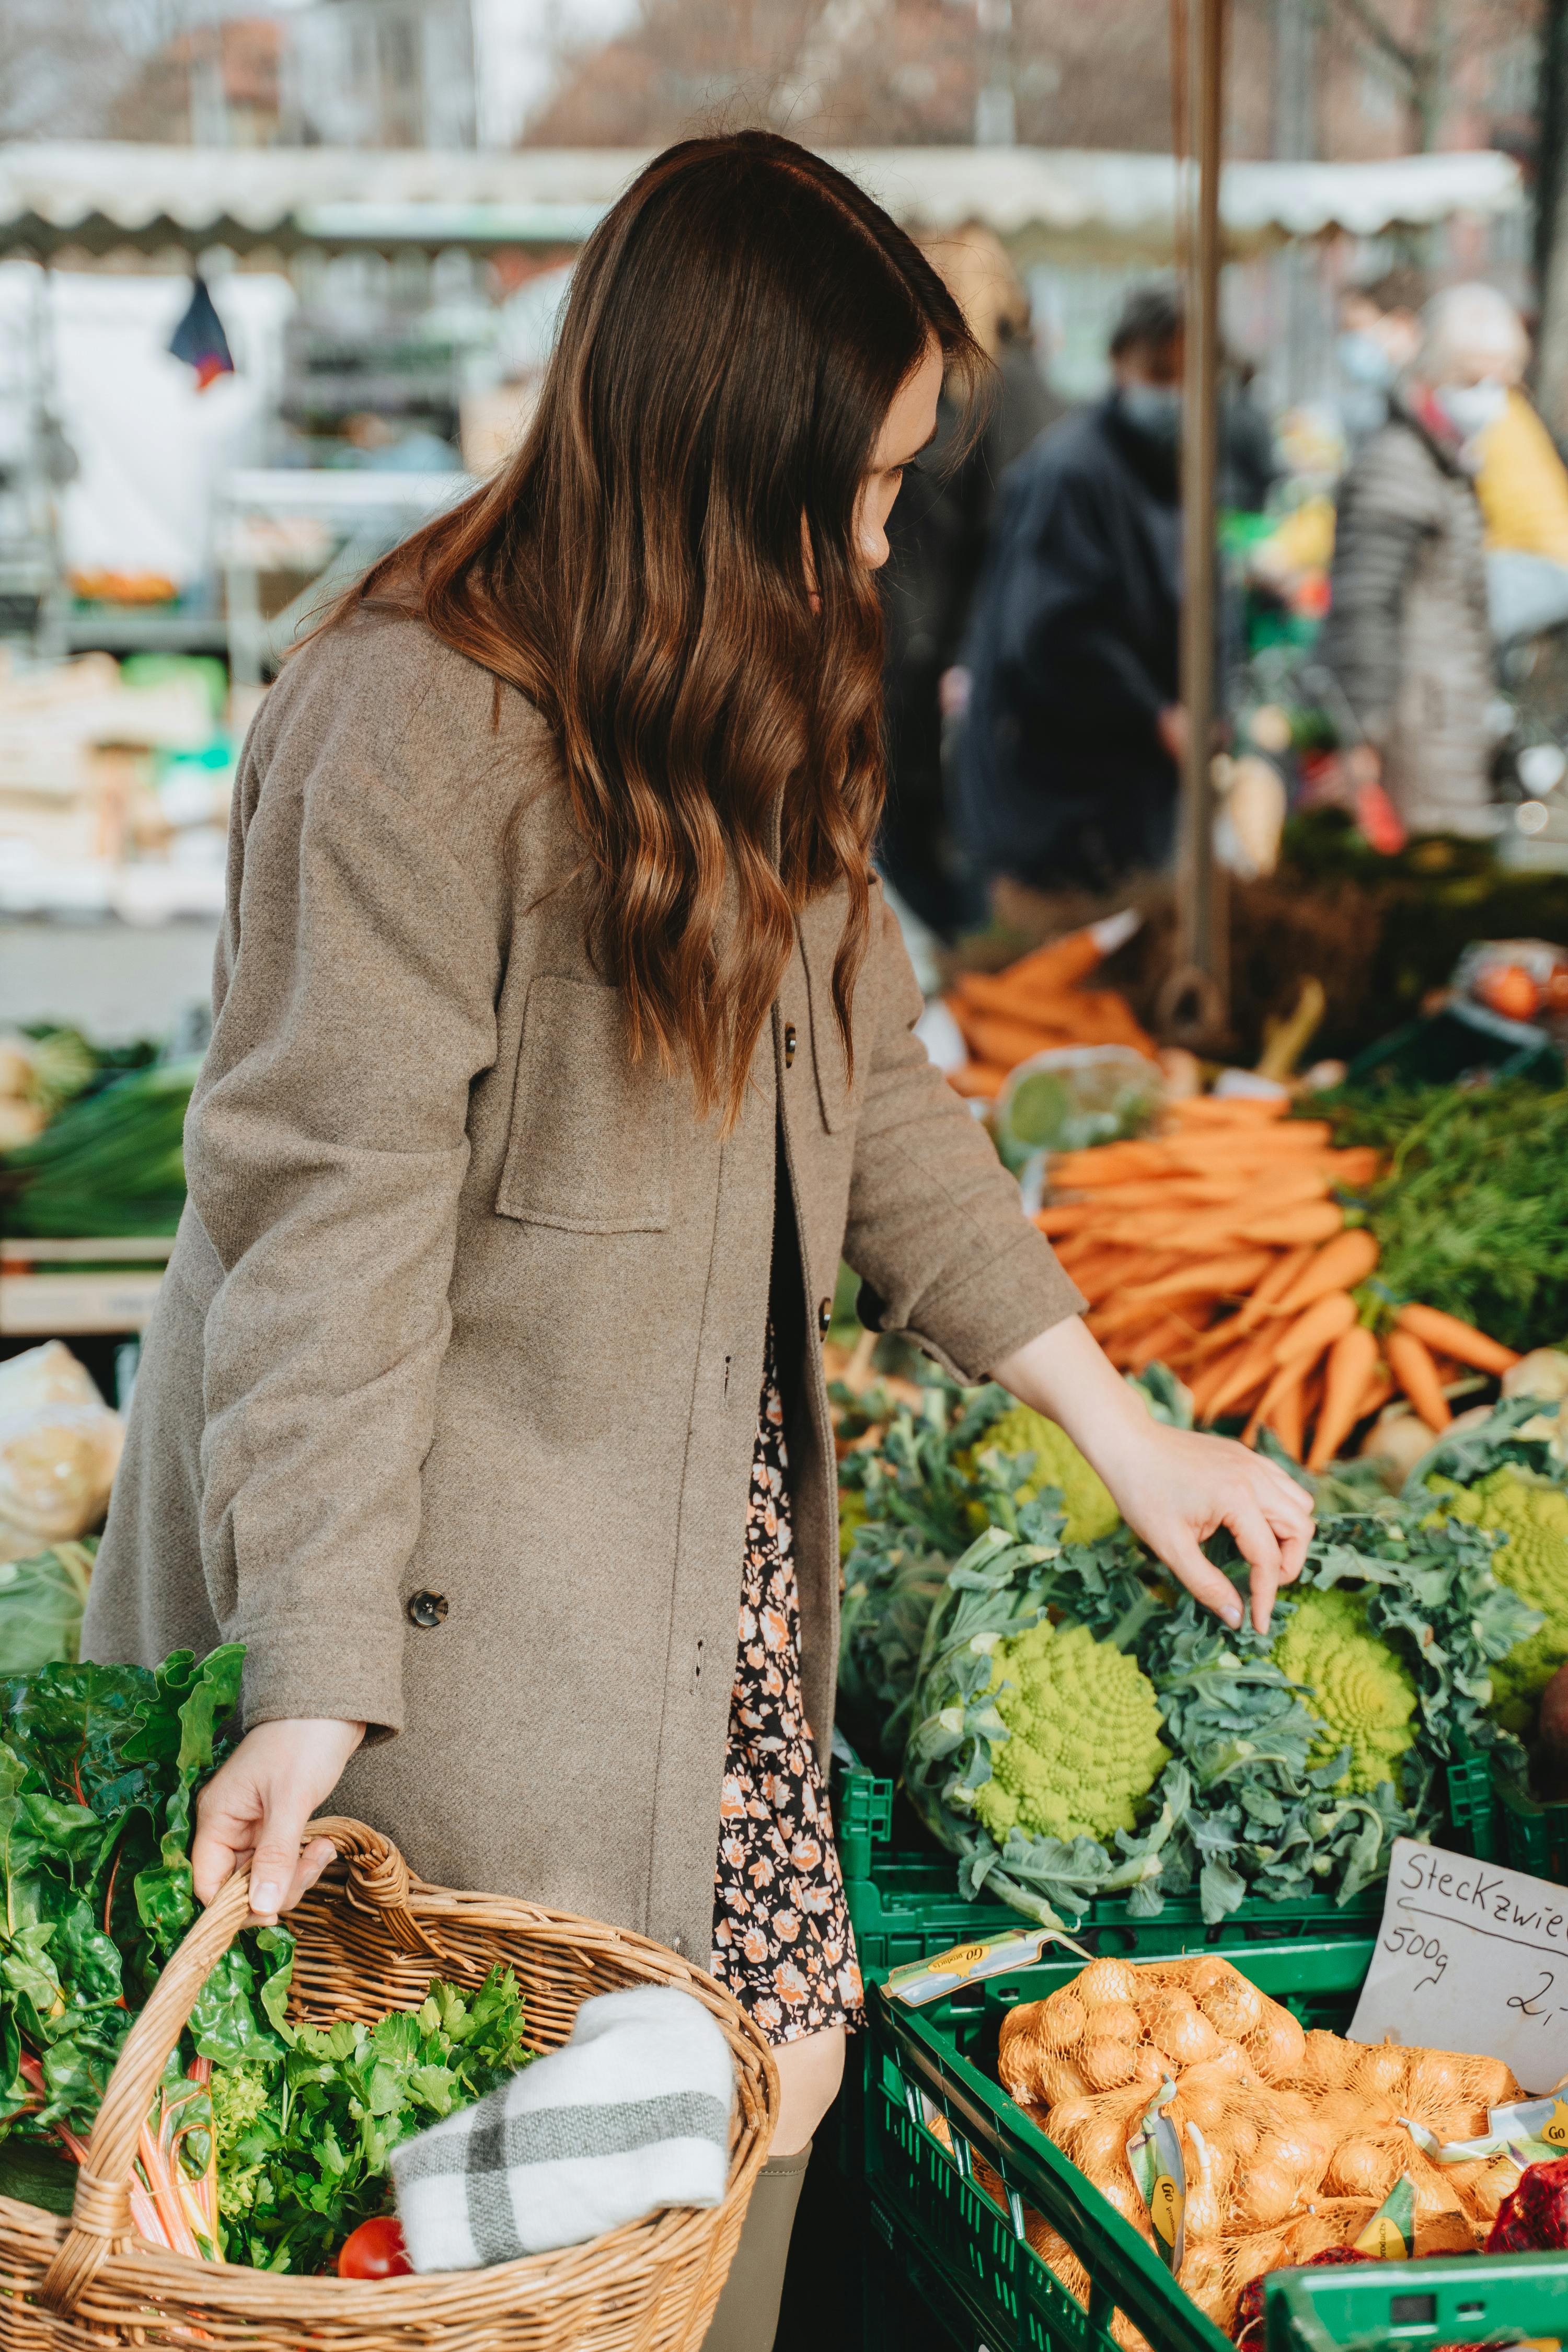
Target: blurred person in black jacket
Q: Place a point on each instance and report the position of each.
(1068, 766)
(937, 533)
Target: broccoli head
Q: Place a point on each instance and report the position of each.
(1083, 1746)
(1360, 1694)
(1532, 1515)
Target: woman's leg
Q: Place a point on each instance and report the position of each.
(747, 2317)
(810, 2072)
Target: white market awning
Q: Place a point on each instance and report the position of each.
(102, 196)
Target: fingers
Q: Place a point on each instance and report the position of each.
(1261, 1550)
(278, 1862)
(227, 1816)
(1207, 1585)
(312, 1861)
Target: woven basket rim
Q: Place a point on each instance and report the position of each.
(140, 2270)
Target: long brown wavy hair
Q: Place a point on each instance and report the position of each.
(737, 328)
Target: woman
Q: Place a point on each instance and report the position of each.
(562, 1043)
(1408, 639)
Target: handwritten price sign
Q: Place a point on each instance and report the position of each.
(1470, 1958)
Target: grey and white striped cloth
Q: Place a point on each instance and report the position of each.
(632, 2114)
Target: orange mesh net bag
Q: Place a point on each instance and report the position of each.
(1290, 2140)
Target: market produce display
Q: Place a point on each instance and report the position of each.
(59, 1448)
(1071, 1725)
(1278, 1268)
(1040, 1003)
(1080, 1728)
(269, 2142)
(1278, 2146)
(111, 1163)
(1470, 1207)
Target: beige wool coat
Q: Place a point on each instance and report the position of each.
(447, 1406)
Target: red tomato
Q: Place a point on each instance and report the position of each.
(375, 2251)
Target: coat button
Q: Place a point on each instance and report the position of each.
(825, 1315)
(425, 1608)
(789, 1044)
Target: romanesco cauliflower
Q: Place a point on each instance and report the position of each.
(1084, 1737)
(1086, 1498)
(1361, 1694)
(1533, 1515)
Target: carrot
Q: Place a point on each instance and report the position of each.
(1317, 1328)
(1107, 1163)
(1061, 1218)
(1354, 1166)
(1165, 1334)
(1280, 1404)
(1237, 1375)
(1225, 1111)
(1271, 1286)
(1352, 1360)
(995, 1038)
(1293, 1413)
(1283, 1189)
(1456, 1339)
(1162, 1191)
(1314, 1221)
(1410, 1361)
(1134, 1267)
(1216, 1277)
(1259, 1142)
(982, 1080)
(1060, 964)
(1378, 1390)
(1340, 1264)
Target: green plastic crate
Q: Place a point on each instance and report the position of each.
(987, 2284)
(1533, 1831)
(1457, 2300)
(965, 2247)
(1502, 1820)
(904, 1903)
(1446, 1045)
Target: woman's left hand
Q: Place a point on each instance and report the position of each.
(1172, 1487)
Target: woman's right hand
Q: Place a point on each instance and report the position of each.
(255, 1808)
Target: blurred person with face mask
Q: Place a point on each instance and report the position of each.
(1520, 479)
(1379, 333)
(1407, 635)
(936, 537)
(1067, 770)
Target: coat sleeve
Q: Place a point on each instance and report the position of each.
(936, 1231)
(325, 1151)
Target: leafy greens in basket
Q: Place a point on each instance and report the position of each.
(269, 2141)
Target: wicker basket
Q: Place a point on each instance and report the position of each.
(369, 1940)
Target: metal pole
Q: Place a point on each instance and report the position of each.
(1197, 994)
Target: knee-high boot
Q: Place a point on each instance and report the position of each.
(747, 2317)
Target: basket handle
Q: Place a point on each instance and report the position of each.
(378, 1881)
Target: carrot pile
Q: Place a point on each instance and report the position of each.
(1219, 1248)
(1037, 1002)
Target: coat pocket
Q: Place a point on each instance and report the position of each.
(592, 1130)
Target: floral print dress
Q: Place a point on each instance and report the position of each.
(781, 1939)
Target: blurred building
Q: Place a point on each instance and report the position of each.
(379, 73)
(335, 73)
(1385, 77)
